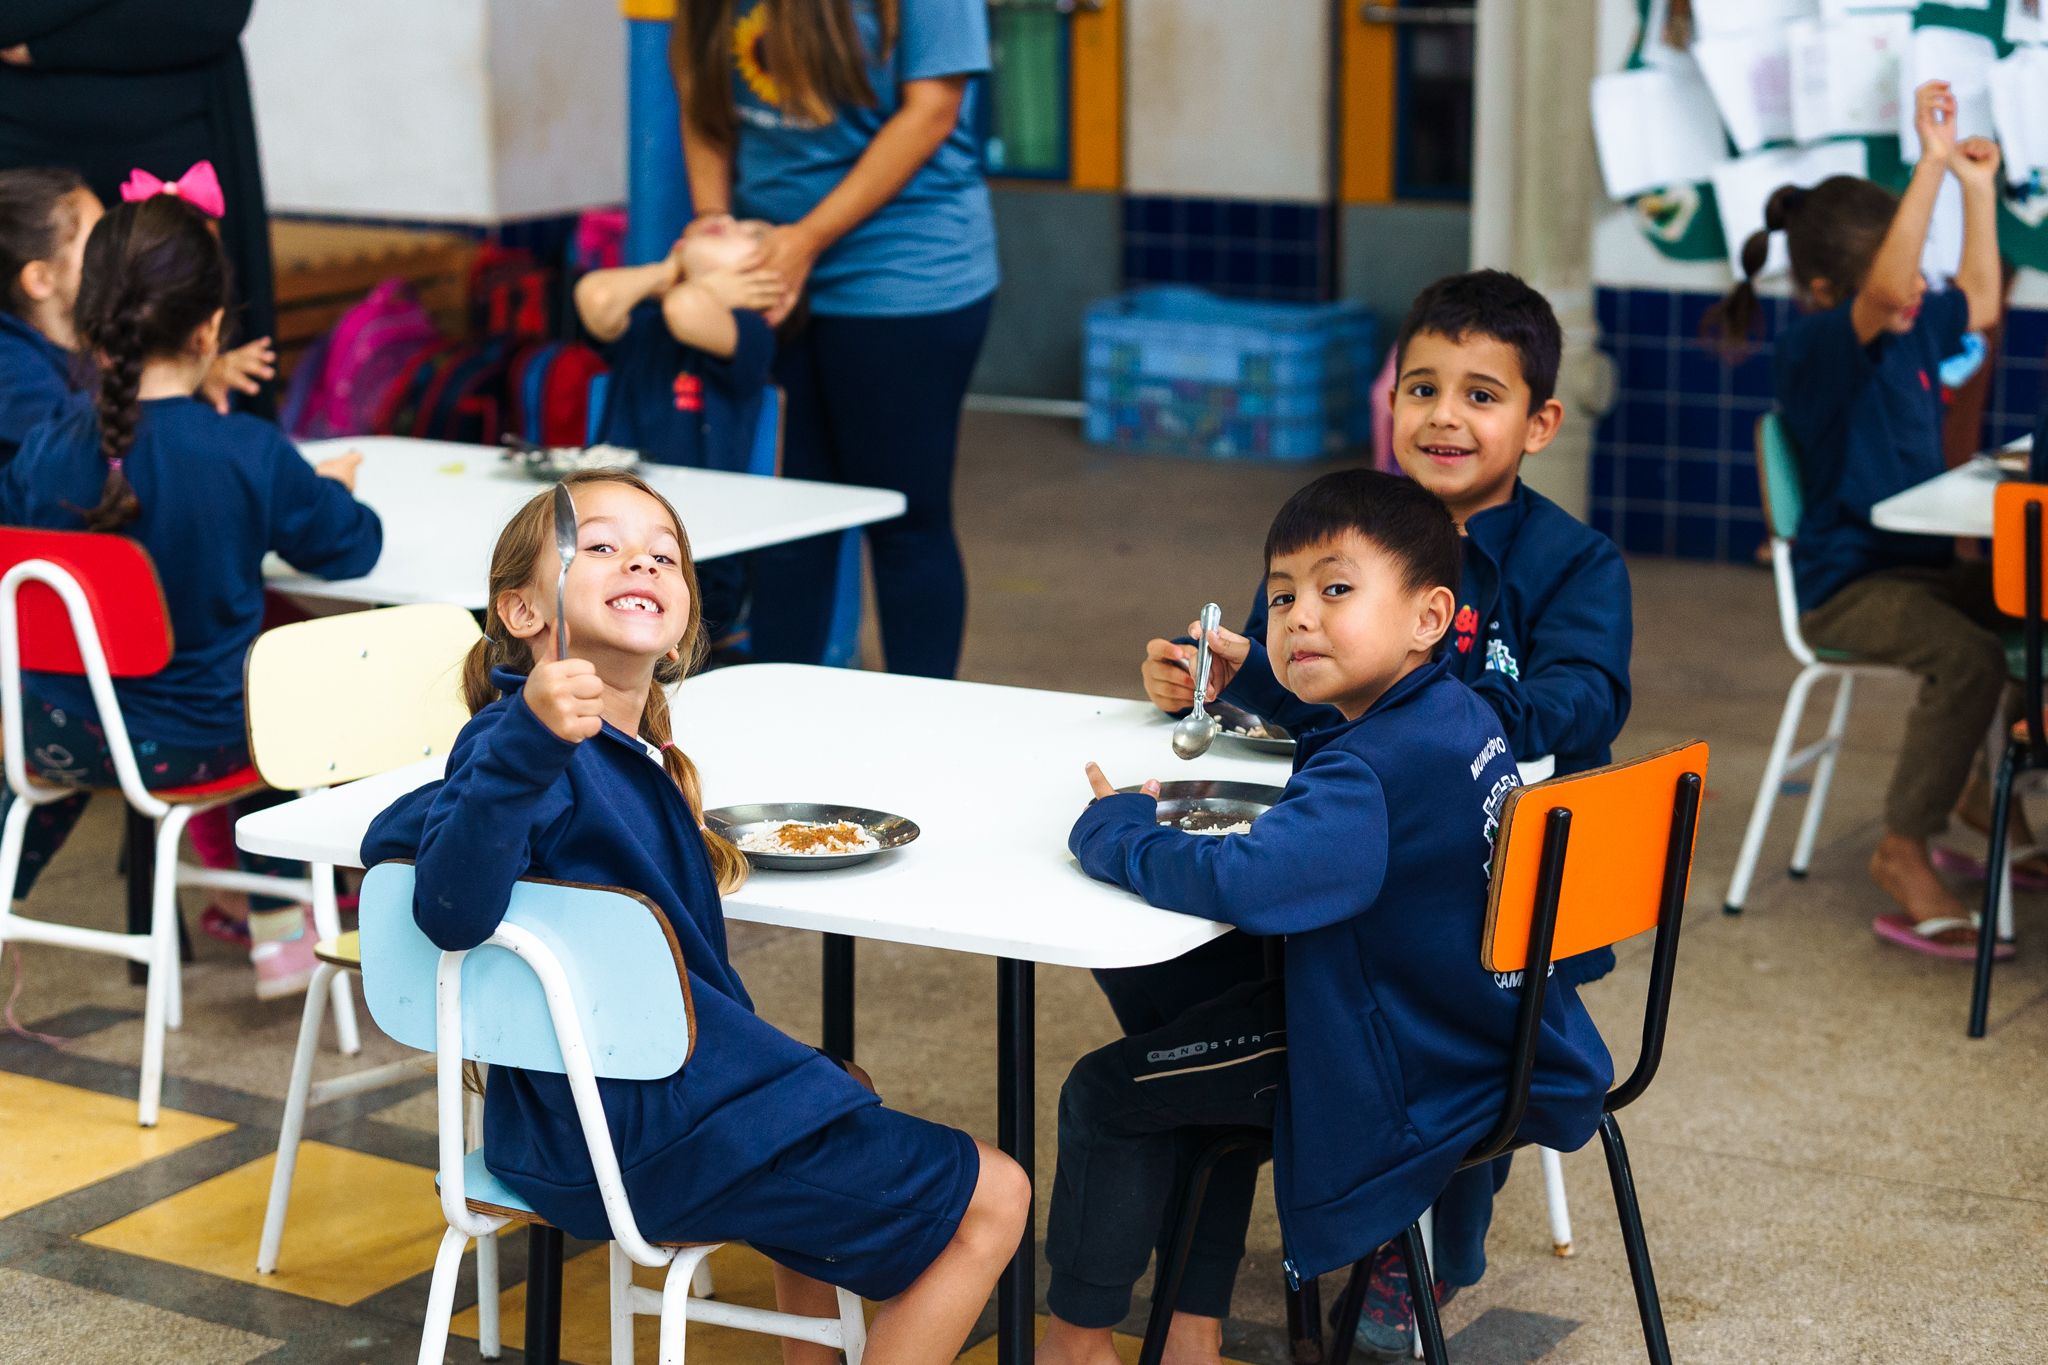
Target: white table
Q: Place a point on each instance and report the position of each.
(443, 504)
(1957, 503)
(990, 872)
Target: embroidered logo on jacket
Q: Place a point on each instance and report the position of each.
(689, 392)
(1466, 623)
(1498, 659)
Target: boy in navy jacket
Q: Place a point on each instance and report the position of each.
(1382, 1056)
(689, 355)
(1542, 633)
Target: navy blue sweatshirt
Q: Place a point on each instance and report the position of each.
(1543, 634)
(520, 802)
(217, 494)
(1374, 864)
(36, 377)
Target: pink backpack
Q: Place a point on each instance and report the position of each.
(371, 343)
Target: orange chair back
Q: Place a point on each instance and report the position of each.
(2009, 543)
(1614, 875)
(120, 585)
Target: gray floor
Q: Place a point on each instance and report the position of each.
(1829, 1169)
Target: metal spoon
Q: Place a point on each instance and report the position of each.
(565, 545)
(1193, 736)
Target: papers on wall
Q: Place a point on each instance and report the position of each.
(1941, 255)
(1742, 186)
(1654, 126)
(1751, 77)
(1962, 59)
(2024, 22)
(1834, 11)
(1845, 75)
(1733, 18)
(2019, 111)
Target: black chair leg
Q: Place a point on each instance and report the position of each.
(1994, 882)
(1166, 1277)
(1422, 1296)
(1350, 1304)
(1305, 1323)
(1631, 1214)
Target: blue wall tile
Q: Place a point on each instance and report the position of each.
(1251, 249)
(1699, 482)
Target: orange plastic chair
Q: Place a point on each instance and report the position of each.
(1579, 863)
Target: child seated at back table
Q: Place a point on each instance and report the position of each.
(1381, 1056)
(1542, 633)
(46, 214)
(1855, 379)
(689, 355)
(567, 771)
(208, 495)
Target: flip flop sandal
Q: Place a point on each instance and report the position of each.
(1960, 864)
(1922, 937)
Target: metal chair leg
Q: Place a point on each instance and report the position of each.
(295, 1097)
(1429, 1328)
(1767, 790)
(1553, 1195)
(1350, 1304)
(1631, 1214)
(1305, 1323)
(1994, 882)
(1823, 777)
(1166, 1278)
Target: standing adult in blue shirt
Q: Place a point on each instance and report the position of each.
(847, 123)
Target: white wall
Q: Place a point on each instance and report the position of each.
(456, 110)
(1228, 98)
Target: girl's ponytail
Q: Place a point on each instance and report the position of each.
(1729, 325)
(154, 274)
(1832, 233)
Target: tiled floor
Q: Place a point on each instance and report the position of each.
(1830, 1170)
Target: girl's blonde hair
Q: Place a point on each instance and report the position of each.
(515, 564)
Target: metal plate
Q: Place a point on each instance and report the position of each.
(736, 822)
(1275, 741)
(1199, 805)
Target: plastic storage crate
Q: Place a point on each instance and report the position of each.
(1178, 371)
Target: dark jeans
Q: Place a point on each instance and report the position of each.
(72, 751)
(875, 401)
(1125, 1112)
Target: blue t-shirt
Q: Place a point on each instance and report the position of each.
(1866, 421)
(36, 377)
(932, 248)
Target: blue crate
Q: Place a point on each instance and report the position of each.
(1172, 370)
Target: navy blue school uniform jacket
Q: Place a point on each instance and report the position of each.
(217, 494)
(1375, 866)
(678, 405)
(1866, 421)
(520, 802)
(1543, 634)
(36, 377)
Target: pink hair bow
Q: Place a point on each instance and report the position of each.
(199, 187)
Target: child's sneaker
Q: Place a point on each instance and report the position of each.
(284, 966)
(1386, 1323)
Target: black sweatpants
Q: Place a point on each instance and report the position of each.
(1131, 1114)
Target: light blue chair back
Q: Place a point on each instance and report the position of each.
(1777, 470)
(624, 970)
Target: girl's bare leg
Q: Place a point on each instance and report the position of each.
(1066, 1344)
(796, 1293)
(1194, 1340)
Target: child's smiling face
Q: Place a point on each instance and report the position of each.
(626, 597)
(1343, 626)
(1462, 421)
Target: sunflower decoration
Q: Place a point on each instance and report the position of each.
(746, 54)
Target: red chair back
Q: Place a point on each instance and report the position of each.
(120, 585)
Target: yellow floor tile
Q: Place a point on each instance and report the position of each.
(58, 1138)
(358, 1224)
(1127, 1349)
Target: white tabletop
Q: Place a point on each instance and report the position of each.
(443, 505)
(1957, 503)
(989, 874)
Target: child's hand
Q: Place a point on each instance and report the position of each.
(341, 469)
(568, 697)
(1934, 119)
(1169, 669)
(1100, 784)
(1975, 162)
(756, 289)
(241, 370)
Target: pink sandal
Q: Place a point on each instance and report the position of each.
(1960, 864)
(1901, 929)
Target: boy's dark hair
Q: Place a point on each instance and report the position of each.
(1832, 233)
(154, 272)
(36, 220)
(1491, 303)
(1399, 515)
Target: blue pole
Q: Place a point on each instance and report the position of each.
(657, 190)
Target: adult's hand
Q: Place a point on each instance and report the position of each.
(789, 252)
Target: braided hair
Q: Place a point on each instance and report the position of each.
(154, 274)
(1832, 232)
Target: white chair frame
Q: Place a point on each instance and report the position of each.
(163, 1006)
(674, 1304)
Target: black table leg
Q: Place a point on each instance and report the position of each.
(839, 995)
(543, 1295)
(1016, 1113)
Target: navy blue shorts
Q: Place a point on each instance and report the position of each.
(865, 1203)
